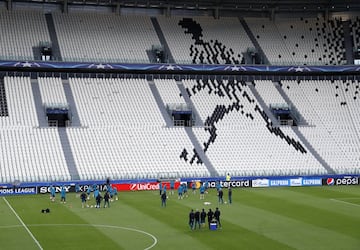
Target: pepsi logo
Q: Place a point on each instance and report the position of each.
(330, 181)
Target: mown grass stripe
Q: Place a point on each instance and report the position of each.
(30, 212)
(319, 217)
(304, 196)
(210, 239)
(292, 232)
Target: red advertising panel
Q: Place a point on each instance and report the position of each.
(143, 186)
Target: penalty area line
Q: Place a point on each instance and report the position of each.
(23, 224)
(345, 202)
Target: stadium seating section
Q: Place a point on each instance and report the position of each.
(129, 38)
(21, 31)
(122, 127)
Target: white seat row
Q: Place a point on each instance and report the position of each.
(20, 31)
(52, 90)
(98, 37)
(304, 41)
(122, 152)
(21, 106)
(115, 102)
(333, 116)
(227, 31)
(246, 145)
(31, 154)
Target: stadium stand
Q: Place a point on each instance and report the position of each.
(126, 134)
(31, 154)
(22, 112)
(52, 90)
(129, 38)
(238, 139)
(205, 40)
(333, 131)
(21, 31)
(307, 41)
(121, 130)
(355, 27)
(131, 153)
(118, 38)
(169, 91)
(115, 102)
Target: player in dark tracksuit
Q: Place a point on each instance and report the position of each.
(191, 219)
(220, 194)
(202, 217)
(230, 195)
(83, 199)
(217, 216)
(197, 219)
(106, 199)
(98, 200)
(210, 216)
(163, 199)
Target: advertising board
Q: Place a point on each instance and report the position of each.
(279, 182)
(17, 190)
(232, 184)
(143, 186)
(153, 184)
(308, 181)
(343, 181)
(261, 183)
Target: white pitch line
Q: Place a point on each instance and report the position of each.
(345, 202)
(348, 198)
(26, 228)
(93, 225)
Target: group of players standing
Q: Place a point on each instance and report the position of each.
(197, 218)
(109, 195)
(203, 189)
(62, 194)
(182, 191)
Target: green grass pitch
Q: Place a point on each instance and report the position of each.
(259, 218)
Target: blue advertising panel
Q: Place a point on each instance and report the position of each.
(279, 182)
(17, 190)
(311, 181)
